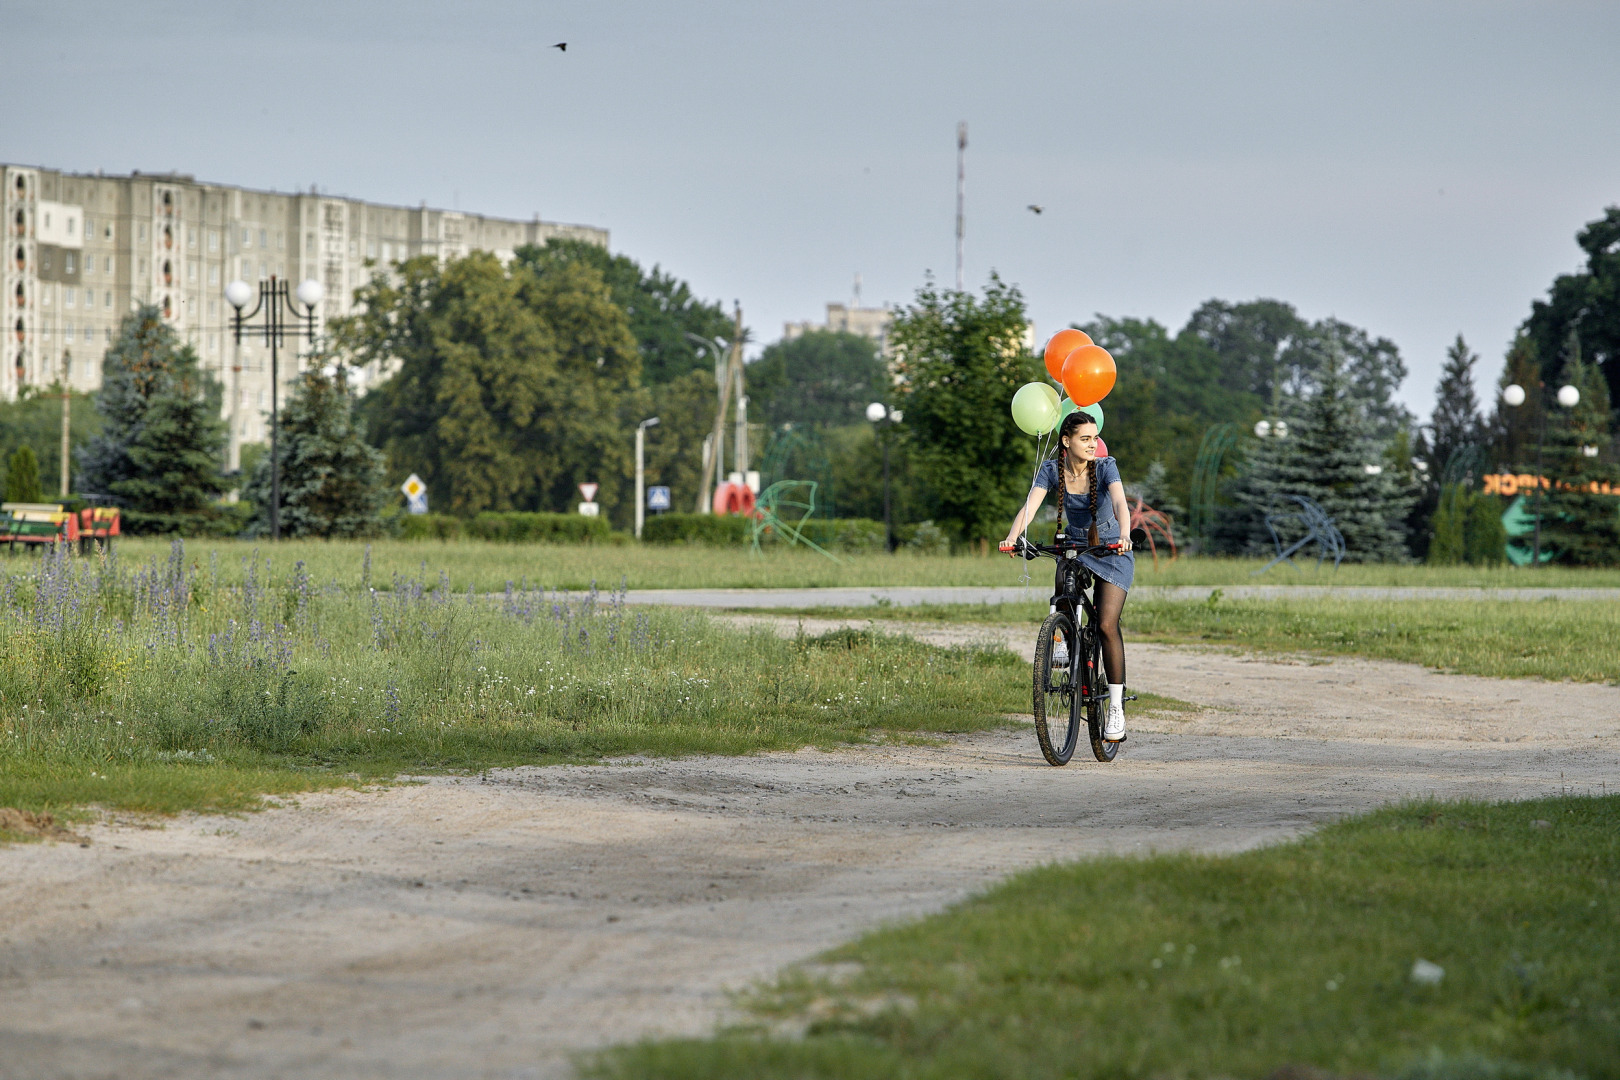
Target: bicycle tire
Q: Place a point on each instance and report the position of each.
(1057, 727)
(1094, 692)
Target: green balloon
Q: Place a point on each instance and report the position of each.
(1032, 410)
(1093, 411)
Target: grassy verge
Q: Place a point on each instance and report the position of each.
(1185, 966)
(487, 567)
(1548, 639)
(157, 687)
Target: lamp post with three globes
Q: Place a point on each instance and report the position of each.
(275, 303)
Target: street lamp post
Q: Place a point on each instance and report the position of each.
(275, 302)
(1568, 397)
(641, 471)
(885, 417)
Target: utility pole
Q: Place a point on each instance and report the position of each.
(961, 195)
(732, 372)
(67, 395)
(641, 471)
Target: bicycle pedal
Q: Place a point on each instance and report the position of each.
(1128, 697)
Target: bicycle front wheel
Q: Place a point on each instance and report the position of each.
(1056, 720)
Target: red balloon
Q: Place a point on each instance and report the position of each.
(1102, 448)
(1088, 374)
(1059, 347)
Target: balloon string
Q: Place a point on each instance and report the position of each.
(1041, 449)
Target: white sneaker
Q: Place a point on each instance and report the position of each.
(1060, 655)
(1114, 726)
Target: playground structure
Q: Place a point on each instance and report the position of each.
(1218, 440)
(1158, 525)
(1317, 526)
(785, 508)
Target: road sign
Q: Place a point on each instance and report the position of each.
(658, 498)
(590, 509)
(589, 491)
(415, 494)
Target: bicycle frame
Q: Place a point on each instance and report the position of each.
(1071, 596)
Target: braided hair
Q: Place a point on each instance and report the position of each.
(1072, 423)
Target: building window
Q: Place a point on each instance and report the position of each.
(45, 295)
(247, 269)
(70, 296)
(140, 231)
(191, 237)
(213, 240)
(71, 224)
(353, 248)
(371, 249)
(89, 298)
(213, 308)
(281, 240)
(213, 275)
(247, 238)
(89, 333)
(262, 241)
(106, 231)
(264, 270)
(191, 271)
(89, 264)
(106, 299)
(68, 262)
(67, 331)
(106, 335)
(89, 228)
(309, 244)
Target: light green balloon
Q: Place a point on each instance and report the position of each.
(1051, 392)
(1093, 411)
(1032, 410)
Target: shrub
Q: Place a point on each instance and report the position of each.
(511, 527)
(715, 529)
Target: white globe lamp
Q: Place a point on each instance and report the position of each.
(238, 293)
(311, 292)
(1262, 428)
(1280, 429)
(876, 411)
(1568, 397)
(1513, 395)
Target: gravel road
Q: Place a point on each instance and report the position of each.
(494, 926)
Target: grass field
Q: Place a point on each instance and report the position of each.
(161, 686)
(1304, 955)
(487, 567)
(1545, 639)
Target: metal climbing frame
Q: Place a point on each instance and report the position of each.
(1206, 478)
(1318, 528)
(786, 507)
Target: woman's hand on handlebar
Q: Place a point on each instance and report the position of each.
(1009, 546)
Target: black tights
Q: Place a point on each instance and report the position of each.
(1110, 601)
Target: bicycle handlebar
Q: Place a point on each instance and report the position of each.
(1027, 549)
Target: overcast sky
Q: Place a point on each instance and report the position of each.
(1416, 169)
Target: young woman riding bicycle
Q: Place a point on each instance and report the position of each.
(1084, 479)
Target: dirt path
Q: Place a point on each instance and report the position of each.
(491, 926)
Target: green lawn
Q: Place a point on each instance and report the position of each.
(157, 687)
(487, 567)
(1300, 955)
(1546, 639)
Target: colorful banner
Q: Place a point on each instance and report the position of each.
(1511, 484)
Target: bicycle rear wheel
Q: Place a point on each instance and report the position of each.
(1094, 695)
(1057, 726)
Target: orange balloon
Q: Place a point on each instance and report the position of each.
(1088, 374)
(1059, 347)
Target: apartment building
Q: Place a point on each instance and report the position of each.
(83, 250)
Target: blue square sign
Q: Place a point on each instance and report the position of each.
(658, 498)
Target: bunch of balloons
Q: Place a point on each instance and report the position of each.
(1082, 368)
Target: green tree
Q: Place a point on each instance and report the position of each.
(1587, 303)
(824, 377)
(1513, 431)
(1333, 456)
(1455, 426)
(958, 361)
(22, 476)
(159, 451)
(685, 408)
(35, 420)
(510, 387)
(1579, 520)
(661, 308)
(332, 481)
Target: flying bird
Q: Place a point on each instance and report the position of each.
(1036, 207)
(561, 46)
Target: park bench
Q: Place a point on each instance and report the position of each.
(36, 523)
(98, 524)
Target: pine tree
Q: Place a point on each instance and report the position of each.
(1448, 542)
(1514, 429)
(1333, 456)
(1455, 427)
(1484, 536)
(331, 480)
(1578, 520)
(22, 477)
(159, 451)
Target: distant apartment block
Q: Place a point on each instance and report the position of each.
(84, 250)
(868, 322)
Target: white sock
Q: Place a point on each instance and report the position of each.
(1116, 695)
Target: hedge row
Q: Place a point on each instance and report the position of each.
(839, 534)
(512, 527)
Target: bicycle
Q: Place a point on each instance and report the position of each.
(1067, 684)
